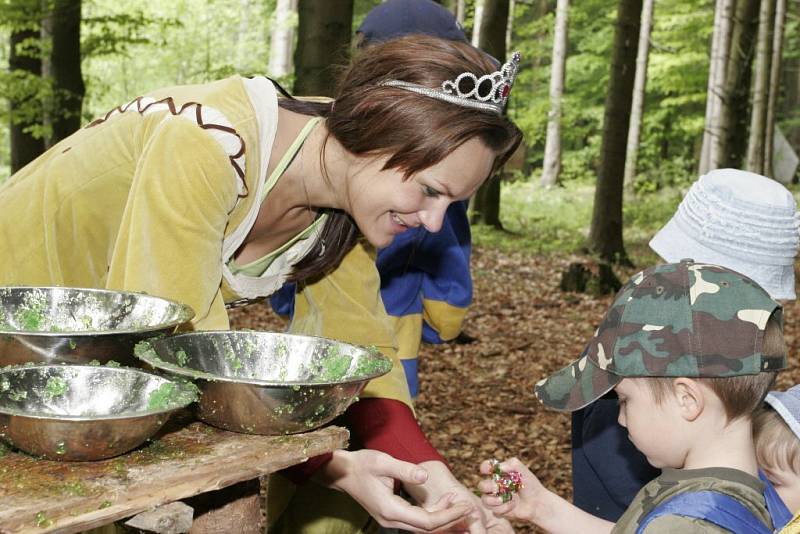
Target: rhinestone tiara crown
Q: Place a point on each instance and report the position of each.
(487, 93)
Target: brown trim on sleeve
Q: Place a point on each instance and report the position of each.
(136, 105)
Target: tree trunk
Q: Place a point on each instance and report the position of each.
(461, 11)
(552, 147)
(282, 38)
(774, 84)
(492, 31)
(639, 86)
(605, 236)
(24, 109)
(735, 116)
(539, 9)
(790, 105)
(510, 25)
(323, 42)
(63, 66)
(477, 22)
(705, 149)
(758, 116)
(720, 44)
(718, 100)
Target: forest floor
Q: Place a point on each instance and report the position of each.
(476, 401)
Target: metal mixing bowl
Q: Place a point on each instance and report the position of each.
(72, 325)
(85, 412)
(265, 382)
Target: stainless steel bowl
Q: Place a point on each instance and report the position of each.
(84, 412)
(72, 325)
(264, 382)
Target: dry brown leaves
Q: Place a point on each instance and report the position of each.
(476, 401)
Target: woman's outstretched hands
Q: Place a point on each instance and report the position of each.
(368, 476)
(442, 482)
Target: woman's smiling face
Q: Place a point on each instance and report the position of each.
(384, 203)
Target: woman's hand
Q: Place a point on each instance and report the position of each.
(368, 476)
(441, 482)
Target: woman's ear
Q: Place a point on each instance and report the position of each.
(690, 398)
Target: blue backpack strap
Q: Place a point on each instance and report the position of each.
(711, 506)
(778, 511)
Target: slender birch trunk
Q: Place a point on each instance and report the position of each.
(758, 117)
(639, 88)
(477, 22)
(720, 43)
(774, 84)
(510, 26)
(705, 151)
(282, 38)
(552, 148)
(717, 96)
(461, 9)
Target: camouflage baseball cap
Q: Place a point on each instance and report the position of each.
(678, 319)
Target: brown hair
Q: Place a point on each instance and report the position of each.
(414, 131)
(777, 448)
(740, 395)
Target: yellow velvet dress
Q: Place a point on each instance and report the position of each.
(157, 195)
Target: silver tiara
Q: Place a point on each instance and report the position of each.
(488, 93)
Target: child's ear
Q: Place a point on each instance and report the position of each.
(690, 397)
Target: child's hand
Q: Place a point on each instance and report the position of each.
(510, 491)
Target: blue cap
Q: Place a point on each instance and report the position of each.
(787, 404)
(396, 18)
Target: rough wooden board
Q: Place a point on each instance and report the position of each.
(45, 496)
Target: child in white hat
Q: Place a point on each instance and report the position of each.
(743, 221)
(738, 219)
(776, 428)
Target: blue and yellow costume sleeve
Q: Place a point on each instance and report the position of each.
(426, 286)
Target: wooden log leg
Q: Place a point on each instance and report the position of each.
(263, 483)
(236, 508)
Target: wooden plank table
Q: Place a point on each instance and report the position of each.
(184, 460)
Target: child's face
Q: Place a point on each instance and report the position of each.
(654, 428)
(787, 484)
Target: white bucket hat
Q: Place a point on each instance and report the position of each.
(739, 220)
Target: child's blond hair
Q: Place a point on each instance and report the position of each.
(777, 448)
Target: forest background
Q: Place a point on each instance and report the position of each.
(127, 49)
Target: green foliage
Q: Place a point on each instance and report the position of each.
(557, 220)
(539, 220)
(130, 48)
(116, 33)
(676, 86)
(140, 46)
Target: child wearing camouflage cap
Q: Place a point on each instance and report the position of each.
(691, 350)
